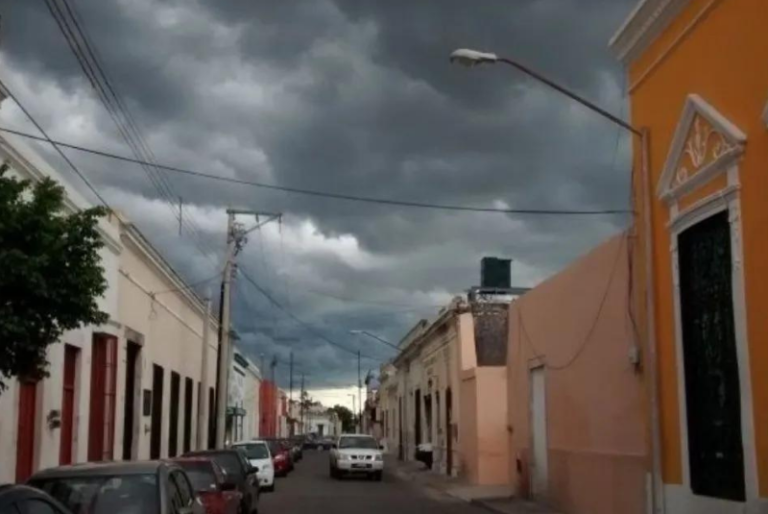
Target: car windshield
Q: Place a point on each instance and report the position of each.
(254, 451)
(366, 443)
(275, 447)
(230, 463)
(126, 494)
(200, 474)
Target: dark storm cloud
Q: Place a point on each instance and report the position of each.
(354, 96)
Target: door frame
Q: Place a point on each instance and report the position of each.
(724, 200)
(537, 366)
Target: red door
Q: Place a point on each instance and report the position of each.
(68, 404)
(101, 422)
(25, 444)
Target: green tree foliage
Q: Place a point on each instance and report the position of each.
(50, 273)
(346, 417)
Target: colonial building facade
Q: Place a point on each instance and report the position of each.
(698, 85)
(138, 387)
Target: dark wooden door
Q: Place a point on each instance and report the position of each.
(417, 416)
(212, 417)
(449, 430)
(69, 385)
(155, 437)
(713, 396)
(173, 421)
(400, 451)
(188, 392)
(129, 409)
(25, 439)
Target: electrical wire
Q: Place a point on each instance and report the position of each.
(337, 196)
(188, 286)
(593, 326)
(87, 56)
(298, 320)
(90, 186)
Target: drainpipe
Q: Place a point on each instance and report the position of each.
(657, 484)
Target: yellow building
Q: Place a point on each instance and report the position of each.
(698, 83)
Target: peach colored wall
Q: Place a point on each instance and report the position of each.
(468, 446)
(596, 426)
(492, 435)
(483, 438)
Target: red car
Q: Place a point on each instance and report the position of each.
(219, 495)
(281, 458)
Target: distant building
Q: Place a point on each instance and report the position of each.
(243, 407)
(447, 388)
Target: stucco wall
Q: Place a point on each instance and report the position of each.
(595, 421)
(172, 338)
(716, 50)
(25, 163)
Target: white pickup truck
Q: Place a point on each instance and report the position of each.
(356, 454)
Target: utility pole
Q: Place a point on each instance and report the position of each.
(301, 405)
(359, 396)
(202, 405)
(236, 239)
(290, 394)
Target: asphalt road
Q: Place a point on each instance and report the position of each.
(310, 490)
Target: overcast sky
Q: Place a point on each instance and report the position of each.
(350, 96)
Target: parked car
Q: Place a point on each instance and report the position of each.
(356, 454)
(147, 487)
(325, 443)
(218, 493)
(281, 458)
(258, 454)
(239, 471)
(295, 449)
(21, 498)
(310, 443)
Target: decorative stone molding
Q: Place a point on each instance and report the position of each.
(705, 145)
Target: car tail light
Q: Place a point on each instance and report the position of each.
(214, 502)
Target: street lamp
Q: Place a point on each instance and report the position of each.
(472, 58)
(354, 405)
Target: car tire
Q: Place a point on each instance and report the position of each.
(378, 476)
(270, 489)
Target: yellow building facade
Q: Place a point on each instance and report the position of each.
(698, 83)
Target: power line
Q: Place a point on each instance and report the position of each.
(188, 286)
(593, 326)
(326, 194)
(298, 320)
(88, 58)
(10, 95)
(349, 299)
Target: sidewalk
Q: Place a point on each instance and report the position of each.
(492, 498)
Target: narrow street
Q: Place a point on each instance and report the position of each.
(309, 490)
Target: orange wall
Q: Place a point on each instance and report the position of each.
(724, 59)
(596, 425)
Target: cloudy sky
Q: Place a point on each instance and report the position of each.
(348, 96)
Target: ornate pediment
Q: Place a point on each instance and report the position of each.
(705, 144)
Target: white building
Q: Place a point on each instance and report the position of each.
(140, 386)
(243, 412)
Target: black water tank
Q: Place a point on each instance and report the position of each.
(494, 273)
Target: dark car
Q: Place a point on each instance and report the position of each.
(239, 471)
(295, 448)
(21, 498)
(147, 487)
(218, 494)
